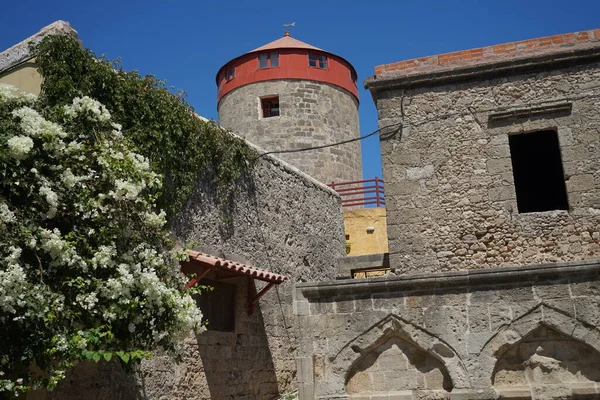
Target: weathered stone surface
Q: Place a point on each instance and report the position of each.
(504, 340)
(311, 114)
(281, 220)
(469, 218)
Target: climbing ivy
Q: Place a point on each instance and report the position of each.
(161, 125)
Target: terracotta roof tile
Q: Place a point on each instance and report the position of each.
(286, 42)
(206, 260)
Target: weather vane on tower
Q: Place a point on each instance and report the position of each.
(287, 31)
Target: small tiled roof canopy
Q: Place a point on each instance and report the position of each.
(201, 264)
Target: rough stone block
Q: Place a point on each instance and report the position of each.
(418, 173)
(580, 183)
(402, 395)
(515, 393)
(584, 388)
(363, 304)
(301, 307)
(502, 193)
(552, 290)
(500, 315)
(476, 341)
(345, 306)
(388, 301)
(500, 165)
(479, 319)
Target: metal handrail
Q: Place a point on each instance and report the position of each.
(355, 196)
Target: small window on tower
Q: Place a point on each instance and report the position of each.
(270, 107)
(270, 60)
(316, 61)
(263, 61)
(230, 74)
(538, 172)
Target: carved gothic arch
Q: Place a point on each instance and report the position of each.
(540, 315)
(394, 325)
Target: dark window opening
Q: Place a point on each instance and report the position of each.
(347, 237)
(218, 305)
(538, 172)
(316, 61)
(270, 107)
(270, 60)
(230, 74)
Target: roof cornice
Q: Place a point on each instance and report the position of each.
(21, 52)
(499, 60)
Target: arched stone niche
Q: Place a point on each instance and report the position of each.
(545, 354)
(386, 348)
(547, 357)
(393, 364)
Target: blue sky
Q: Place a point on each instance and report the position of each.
(186, 42)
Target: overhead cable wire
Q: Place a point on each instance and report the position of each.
(398, 125)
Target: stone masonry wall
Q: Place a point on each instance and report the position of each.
(280, 220)
(504, 333)
(450, 196)
(311, 114)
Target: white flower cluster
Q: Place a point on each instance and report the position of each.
(154, 220)
(69, 179)
(86, 104)
(108, 260)
(139, 162)
(87, 301)
(6, 216)
(34, 125)
(134, 279)
(20, 146)
(127, 190)
(12, 283)
(59, 250)
(51, 198)
(104, 257)
(11, 93)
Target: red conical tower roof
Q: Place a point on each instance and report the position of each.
(286, 42)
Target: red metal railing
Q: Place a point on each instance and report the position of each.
(360, 193)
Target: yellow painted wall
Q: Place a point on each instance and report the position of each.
(24, 76)
(362, 242)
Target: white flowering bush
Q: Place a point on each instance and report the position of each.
(87, 270)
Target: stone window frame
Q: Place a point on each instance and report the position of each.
(268, 100)
(520, 172)
(550, 115)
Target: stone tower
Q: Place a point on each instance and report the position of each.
(288, 94)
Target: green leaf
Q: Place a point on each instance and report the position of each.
(124, 356)
(96, 357)
(108, 356)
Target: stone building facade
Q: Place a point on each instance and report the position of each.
(450, 188)
(312, 114)
(493, 214)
